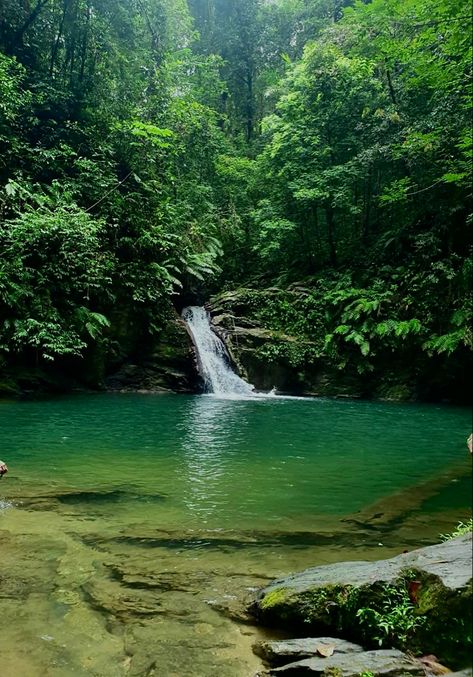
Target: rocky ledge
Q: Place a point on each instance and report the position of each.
(420, 602)
(295, 658)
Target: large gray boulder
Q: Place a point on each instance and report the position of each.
(433, 585)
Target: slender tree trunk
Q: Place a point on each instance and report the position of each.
(70, 58)
(249, 104)
(55, 48)
(17, 37)
(85, 41)
(331, 235)
(366, 220)
(315, 212)
(392, 93)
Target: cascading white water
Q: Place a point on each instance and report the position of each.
(213, 360)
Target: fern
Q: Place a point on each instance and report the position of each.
(447, 343)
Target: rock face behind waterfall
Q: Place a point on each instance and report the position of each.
(164, 364)
(427, 593)
(261, 354)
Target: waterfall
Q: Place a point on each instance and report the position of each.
(212, 356)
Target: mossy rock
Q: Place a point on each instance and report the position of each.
(433, 585)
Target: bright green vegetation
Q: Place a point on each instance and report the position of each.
(131, 513)
(384, 619)
(394, 621)
(461, 528)
(418, 618)
(315, 152)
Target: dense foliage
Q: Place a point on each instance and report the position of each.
(316, 152)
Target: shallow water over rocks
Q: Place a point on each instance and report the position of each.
(141, 523)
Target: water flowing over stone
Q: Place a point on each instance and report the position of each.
(212, 356)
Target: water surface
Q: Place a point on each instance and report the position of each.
(135, 518)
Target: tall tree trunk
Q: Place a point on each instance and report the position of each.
(367, 210)
(17, 37)
(392, 93)
(331, 235)
(70, 58)
(249, 104)
(55, 49)
(85, 42)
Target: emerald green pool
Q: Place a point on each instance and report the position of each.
(128, 521)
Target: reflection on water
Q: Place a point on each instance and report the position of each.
(204, 452)
(122, 517)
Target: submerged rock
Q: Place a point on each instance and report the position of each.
(391, 663)
(92, 501)
(434, 584)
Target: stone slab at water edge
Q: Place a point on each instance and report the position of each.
(289, 650)
(381, 663)
(419, 601)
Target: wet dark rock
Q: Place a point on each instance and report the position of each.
(278, 653)
(182, 540)
(112, 496)
(80, 497)
(382, 662)
(265, 354)
(134, 576)
(449, 561)
(165, 365)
